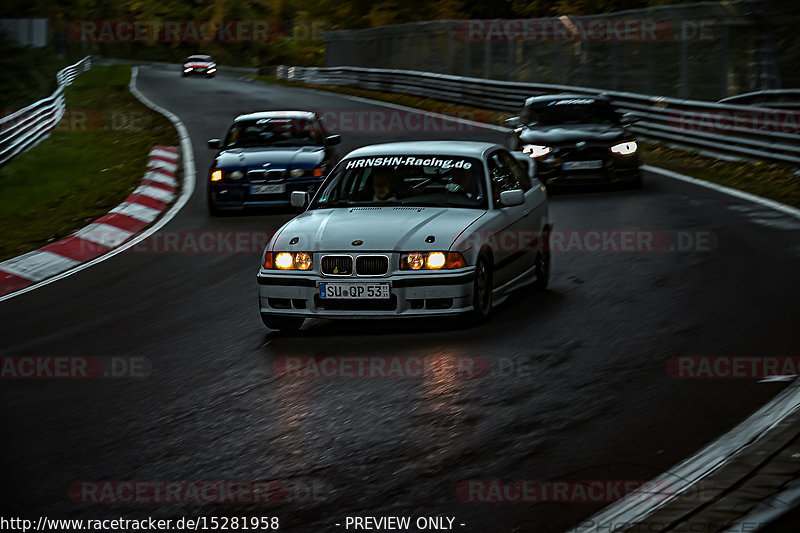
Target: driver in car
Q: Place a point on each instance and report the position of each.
(382, 186)
(461, 182)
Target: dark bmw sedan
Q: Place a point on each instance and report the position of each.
(267, 155)
(577, 140)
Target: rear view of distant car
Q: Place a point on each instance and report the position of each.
(199, 65)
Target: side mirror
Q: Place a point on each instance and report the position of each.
(629, 118)
(299, 199)
(214, 144)
(331, 140)
(512, 198)
(513, 122)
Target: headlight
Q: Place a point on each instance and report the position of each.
(625, 148)
(288, 261)
(308, 172)
(216, 175)
(431, 260)
(187, 69)
(535, 150)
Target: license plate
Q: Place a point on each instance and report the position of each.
(268, 189)
(354, 291)
(582, 165)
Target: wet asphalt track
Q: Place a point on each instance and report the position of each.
(597, 402)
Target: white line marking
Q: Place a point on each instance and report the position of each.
(187, 190)
(783, 208)
(137, 211)
(158, 163)
(104, 234)
(155, 192)
(782, 377)
(37, 265)
(714, 456)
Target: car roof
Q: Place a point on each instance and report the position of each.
(275, 114)
(455, 148)
(543, 99)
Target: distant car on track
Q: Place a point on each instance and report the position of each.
(265, 156)
(409, 229)
(577, 140)
(199, 65)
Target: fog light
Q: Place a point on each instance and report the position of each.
(302, 261)
(415, 260)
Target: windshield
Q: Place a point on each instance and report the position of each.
(413, 180)
(570, 111)
(283, 131)
(205, 59)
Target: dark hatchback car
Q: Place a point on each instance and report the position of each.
(266, 156)
(199, 65)
(577, 140)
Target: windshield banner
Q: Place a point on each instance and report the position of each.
(425, 161)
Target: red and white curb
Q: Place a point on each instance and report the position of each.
(138, 211)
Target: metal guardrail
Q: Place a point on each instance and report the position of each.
(24, 129)
(743, 131)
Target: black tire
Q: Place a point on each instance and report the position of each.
(636, 183)
(542, 262)
(482, 288)
(213, 210)
(282, 323)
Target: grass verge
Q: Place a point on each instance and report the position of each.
(774, 181)
(93, 160)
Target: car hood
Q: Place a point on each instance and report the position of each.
(400, 228)
(549, 135)
(271, 158)
(198, 64)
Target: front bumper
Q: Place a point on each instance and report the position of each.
(413, 295)
(615, 169)
(237, 196)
